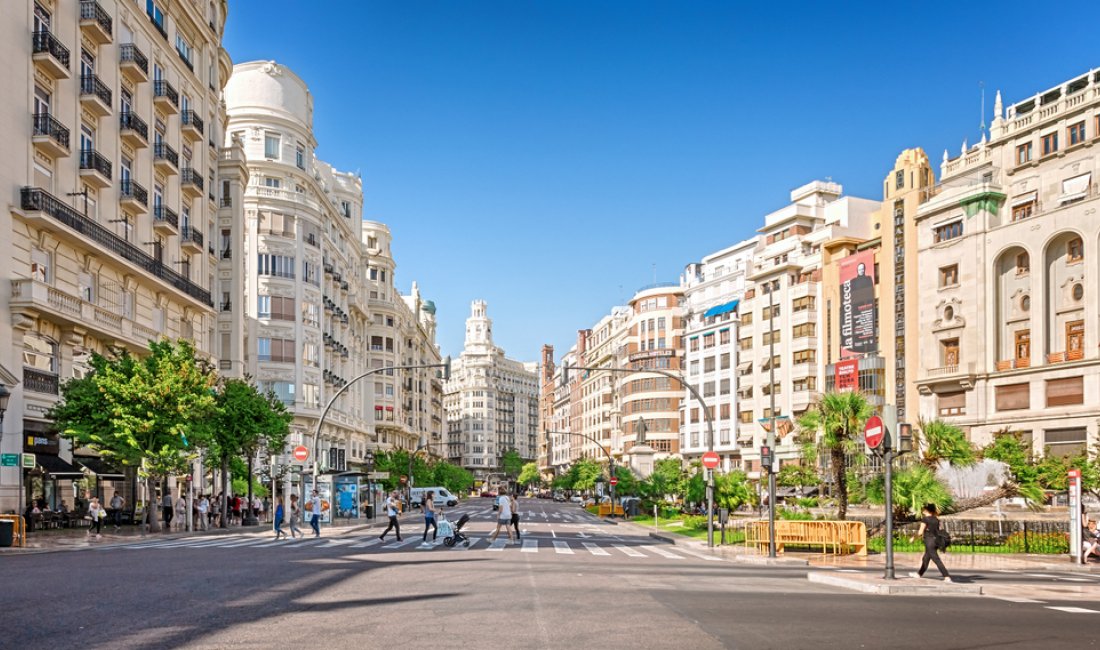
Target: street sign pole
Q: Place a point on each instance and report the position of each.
(1075, 519)
(710, 463)
(888, 456)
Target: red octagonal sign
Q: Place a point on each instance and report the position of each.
(873, 431)
(710, 460)
(301, 453)
(614, 480)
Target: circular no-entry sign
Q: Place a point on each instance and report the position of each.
(710, 460)
(614, 480)
(301, 453)
(873, 431)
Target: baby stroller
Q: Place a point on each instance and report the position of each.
(452, 533)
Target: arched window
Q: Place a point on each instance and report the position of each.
(1075, 250)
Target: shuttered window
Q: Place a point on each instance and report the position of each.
(1012, 397)
(952, 403)
(1064, 392)
(1065, 442)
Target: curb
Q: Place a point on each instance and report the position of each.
(901, 587)
(728, 552)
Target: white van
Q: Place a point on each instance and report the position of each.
(442, 496)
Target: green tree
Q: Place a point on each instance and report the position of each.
(456, 479)
(587, 471)
(733, 490)
(529, 474)
(938, 440)
(245, 420)
(666, 480)
(628, 482)
(695, 486)
(840, 417)
(1008, 447)
(913, 487)
(512, 463)
(798, 475)
(148, 412)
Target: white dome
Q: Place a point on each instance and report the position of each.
(270, 88)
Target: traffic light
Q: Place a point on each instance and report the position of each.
(767, 459)
(447, 368)
(564, 375)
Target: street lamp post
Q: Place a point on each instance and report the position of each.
(421, 444)
(771, 430)
(5, 395)
(706, 415)
(370, 485)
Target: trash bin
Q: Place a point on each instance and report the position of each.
(369, 509)
(7, 532)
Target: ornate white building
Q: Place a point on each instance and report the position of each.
(491, 402)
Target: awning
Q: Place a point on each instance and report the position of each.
(99, 467)
(744, 365)
(724, 329)
(56, 467)
(1075, 188)
(721, 309)
(1026, 197)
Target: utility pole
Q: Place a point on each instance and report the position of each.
(771, 429)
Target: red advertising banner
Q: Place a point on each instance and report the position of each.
(846, 374)
(857, 304)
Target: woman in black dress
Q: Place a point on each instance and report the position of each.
(930, 532)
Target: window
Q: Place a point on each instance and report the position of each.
(693, 344)
(309, 273)
(771, 337)
(276, 223)
(803, 330)
(1066, 442)
(1075, 250)
(1050, 143)
(949, 276)
(42, 266)
(952, 403)
(87, 287)
(283, 390)
(725, 361)
(805, 356)
(724, 336)
(311, 313)
(949, 349)
(1023, 264)
(808, 383)
(276, 308)
(1075, 340)
(280, 266)
(708, 340)
(949, 231)
(277, 350)
(770, 312)
(156, 14)
(345, 208)
(311, 395)
(804, 303)
(185, 51)
(899, 179)
(272, 182)
(746, 318)
(1023, 210)
(1077, 133)
(300, 157)
(271, 145)
(1023, 153)
(745, 417)
(1012, 397)
(1023, 346)
(1065, 392)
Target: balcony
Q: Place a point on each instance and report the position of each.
(85, 232)
(95, 96)
(804, 343)
(132, 196)
(37, 381)
(133, 130)
(165, 97)
(191, 125)
(49, 136)
(95, 169)
(953, 377)
(34, 297)
(191, 182)
(133, 64)
(190, 239)
(51, 57)
(95, 23)
(165, 159)
(165, 220)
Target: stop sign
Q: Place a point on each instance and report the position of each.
(710, 460)
(873, 431)
(614, 480)
(301, 453)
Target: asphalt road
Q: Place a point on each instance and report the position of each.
(576, 582)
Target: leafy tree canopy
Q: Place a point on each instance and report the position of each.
(839, 416)
(512, 463)
(529, 474)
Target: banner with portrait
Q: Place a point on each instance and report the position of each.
(857, 305)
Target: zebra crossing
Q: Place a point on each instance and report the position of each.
(558, 547)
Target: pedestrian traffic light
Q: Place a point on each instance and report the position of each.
(767, 459)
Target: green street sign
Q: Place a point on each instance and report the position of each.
(9, 460)
(29, 461)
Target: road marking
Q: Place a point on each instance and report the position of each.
(530, 546)
(496, 545)
(1040, 575)
(368, 542)
(247, 542)
(404, 542)
(662, 552)
(701, 556)
(308, 542)
(1074, 610)
(593, 549)
(629, 551)
(460, 547)
(1013, 599)
(563, 548)
(552, 533)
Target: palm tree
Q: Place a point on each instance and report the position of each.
(939, 440)
(840, 416)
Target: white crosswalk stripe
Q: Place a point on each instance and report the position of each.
(496, 545)
(662, 552)
(629, 551)
(594, 550)
(701, 556)
(1074, 610)
(563, 548)
(530, 546)
(367, 542)
(404, 542)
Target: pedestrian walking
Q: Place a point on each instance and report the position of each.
(237, 509)
(428, 507)
(279, 519)
(315, 517)
(504, 517)
(257, 508)
(392, 510)
(166, 508)
(181, 512)
(295, 517)
(204, 510)
(930, 533)
(96, 513)
(117, 503)
(515, 514)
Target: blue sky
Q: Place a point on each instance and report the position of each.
(552, 157)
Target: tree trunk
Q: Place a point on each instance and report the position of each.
(840, 481)
(152, 506)
(223, 523)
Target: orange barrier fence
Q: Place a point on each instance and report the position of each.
(19, 529)
(837, 537)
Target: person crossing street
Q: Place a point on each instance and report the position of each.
(504, 517)
(315, 514)
(392, 510)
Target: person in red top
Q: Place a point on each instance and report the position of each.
(237, 508)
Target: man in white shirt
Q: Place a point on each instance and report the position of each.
(204, 508)
(504, 517)
(315, 509)
(393, 508)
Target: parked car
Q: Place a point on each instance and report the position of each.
(576, 499)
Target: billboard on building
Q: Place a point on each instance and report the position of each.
(846, 374)
(857, 304)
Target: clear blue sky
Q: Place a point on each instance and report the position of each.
(550, 156)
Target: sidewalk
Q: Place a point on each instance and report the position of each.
(74, 539)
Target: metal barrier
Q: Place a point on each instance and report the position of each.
(837, 537)
(19, 529)
(605, 510)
